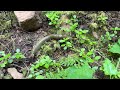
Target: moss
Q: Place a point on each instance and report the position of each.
(7, 19)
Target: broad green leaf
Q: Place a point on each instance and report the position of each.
(37, 73)
(65, 48)
(115, 48)
(97, 57)
(116, 28)
(2, 58)
(7, 56)
(119, 41)
(10, 60)
(46, 65)
(17, 50)
(74, 16)
(109, 68)
(39, 77)
(2, 65)
(2, 53)
(84, 72)
(30, 76)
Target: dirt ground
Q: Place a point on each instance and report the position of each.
(25, 41)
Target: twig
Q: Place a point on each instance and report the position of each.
(27, 69)
(17, 66)
(100, 54)
(13, 43)
(5, 47)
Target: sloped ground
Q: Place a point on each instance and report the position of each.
(16, 38)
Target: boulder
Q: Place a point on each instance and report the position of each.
(28, 20)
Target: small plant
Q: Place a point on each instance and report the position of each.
(54, 17)
(6, 59)
(18, 54)
(102, 18)
(89, 56)
(80, 34)
(70, 60)
(65, 43)
(110, 69)
(115, 29)
(35, 69)
(115, 48)
(108, 36)
(44, 61)
(74, 72)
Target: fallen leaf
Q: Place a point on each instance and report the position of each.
(95, 35)
(14, 73)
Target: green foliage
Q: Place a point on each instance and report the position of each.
(47, 49)
(102, 18)
(18, 54)
(54, 17)
(70, 60)
(6, 59)
(89, 56)
(81, 35)
(45, 62)
(97, 57)
(65, 43)
(115, 29)
(83, 72)
(85, 47)
(110, 69)
(108, 36)
(115, 48)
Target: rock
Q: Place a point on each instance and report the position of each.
(28, 20)
(14, 73)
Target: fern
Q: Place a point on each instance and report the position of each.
(70, 60)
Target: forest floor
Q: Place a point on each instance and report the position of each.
(15, 38)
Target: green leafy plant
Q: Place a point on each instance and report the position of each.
(54, 18)
(102, 18)
(6, 59)
(110, 69)
(35, 69)
(89, 56)
(108, 36)
(70, 60)
(115, 48)
(115, 28)
(74, 72)
(65, 43)
(44, 61)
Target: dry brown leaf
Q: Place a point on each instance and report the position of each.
(14, 73)
(95, 35)
(64, 18)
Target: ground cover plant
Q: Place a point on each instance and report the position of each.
(81, 45)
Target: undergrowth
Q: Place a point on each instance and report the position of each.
(91, 45)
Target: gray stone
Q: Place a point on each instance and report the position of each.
(28, 20)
